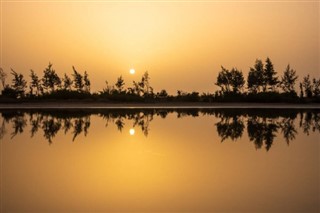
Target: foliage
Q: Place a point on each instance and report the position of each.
(3, 77)
(262, 84)
(288, 80)
(256, 77)
(316, 87)
(86, 82)
(77, 80)
(50, 79)
(35, 84)
(67, 82)
(18, 84)
(230, 79)
(120, 84)
(270, 78)
(307, 86)
(9, 92)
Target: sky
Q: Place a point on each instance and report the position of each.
(182, 44)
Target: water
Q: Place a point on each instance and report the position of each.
(148, 160)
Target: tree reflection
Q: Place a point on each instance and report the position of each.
(230, 127)
(288, 129)
(263, 126)
(310, 121)
(18, 124)
(50, 127)
(262, 131)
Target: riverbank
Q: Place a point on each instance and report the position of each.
(85, 105)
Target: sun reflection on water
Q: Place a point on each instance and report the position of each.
(131, 131)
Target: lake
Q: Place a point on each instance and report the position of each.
(160, 160)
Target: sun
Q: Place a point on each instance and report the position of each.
(132, 71)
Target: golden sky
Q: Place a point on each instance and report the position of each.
(181, 43)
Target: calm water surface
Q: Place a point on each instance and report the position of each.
(153, 160)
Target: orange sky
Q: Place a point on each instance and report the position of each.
(181, 44)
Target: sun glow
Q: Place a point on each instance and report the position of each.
(131, 131)
(132, 71)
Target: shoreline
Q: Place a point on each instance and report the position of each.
(182, 105)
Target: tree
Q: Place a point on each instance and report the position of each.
(256, 77)
(136, 89)
(288, 80)
(67, 82)
(237, 81)
(230, 79)
(50, 79)
(301, 90)
(3, 77)
(119, 84)
(307, 86)
(18, 84)
(108, 89)
(163, 94)
(145, 84)
(34, 84)
(77, 80)
(270, 77)
(316, 87)
(86, 82)
(223, 80)
(143, 87)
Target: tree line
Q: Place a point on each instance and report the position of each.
(262, 85)
(263, 82)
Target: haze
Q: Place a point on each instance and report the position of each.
(181, 44)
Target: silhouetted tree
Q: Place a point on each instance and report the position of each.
(256, 77)
(146, 81)
(18, 84)
(288, 80)
(3, 77)
(224, 80)
(301, 90)
(270, 78)
(307, 86)
(9, 92)
(230, 79)
(35, 84)
(67, 82)
(143, 88)
(137, 88)
(237, 80)
(119, 84)
(50, 79)
(77, 80)
(108, 89)
(316, 87)
(162, 94)
(86, 82)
